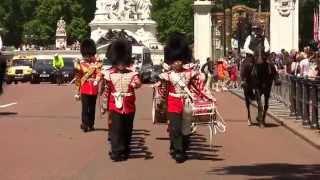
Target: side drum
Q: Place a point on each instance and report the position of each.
(159, 105)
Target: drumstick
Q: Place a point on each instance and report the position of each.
(72, 81)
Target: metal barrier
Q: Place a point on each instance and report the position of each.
(301, 96)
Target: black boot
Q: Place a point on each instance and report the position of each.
(84, 128)
(116, 157)
(91, 128)
(180, 157)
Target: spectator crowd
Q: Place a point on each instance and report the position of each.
(223, 74)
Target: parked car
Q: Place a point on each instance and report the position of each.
(157, 70)
(144, 66)
(20, 69)
(145, 72)
(68, 69)
(43, 71)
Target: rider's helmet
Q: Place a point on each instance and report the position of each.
(177, 48)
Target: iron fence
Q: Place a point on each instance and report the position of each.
(301, 96)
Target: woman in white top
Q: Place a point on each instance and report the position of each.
(304, 64)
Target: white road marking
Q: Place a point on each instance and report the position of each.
(8, 105)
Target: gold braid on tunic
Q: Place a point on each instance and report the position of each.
(82, 74)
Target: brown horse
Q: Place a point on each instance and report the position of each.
(259, 80)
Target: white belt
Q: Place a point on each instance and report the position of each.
(118, 96)
(180, 95)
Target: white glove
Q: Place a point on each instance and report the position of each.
(77, 97)
(95, 83)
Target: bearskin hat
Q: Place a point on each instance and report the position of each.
(177, 48)
(88, 48)
(120, 52)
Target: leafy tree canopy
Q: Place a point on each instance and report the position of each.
(173, 15)
(34, 21)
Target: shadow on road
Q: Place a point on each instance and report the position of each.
(199, 149)
(138, 146)
(101, 129)
(8, 113)
(254, 123)
(272, 171)
(45, 116)
(267, 125)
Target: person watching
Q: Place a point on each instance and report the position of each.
(58, 64)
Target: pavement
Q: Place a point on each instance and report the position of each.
(281, 113)
(41, 139)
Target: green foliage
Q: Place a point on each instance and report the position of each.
(78, 29)
(35, 20)
(173, 15)
(36, 32)
(177, 15)
(306, 21)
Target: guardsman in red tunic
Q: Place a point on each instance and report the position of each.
(87, 78)
(178, 78)
(121, 82)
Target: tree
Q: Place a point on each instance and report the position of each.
(12, 15)
(78, 29)
(171, 16)
(76, 13)
(36, 32)
(307, 8)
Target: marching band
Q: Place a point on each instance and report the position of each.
(182, 81)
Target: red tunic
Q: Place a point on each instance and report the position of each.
(88, 87)
(176, 93)
(122, 86)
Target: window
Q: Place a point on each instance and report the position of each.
(22, 62)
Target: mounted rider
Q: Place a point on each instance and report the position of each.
(257, 51)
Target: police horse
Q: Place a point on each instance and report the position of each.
(259, 80)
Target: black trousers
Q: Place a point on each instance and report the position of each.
(88, 109)
(178, 141)
(121, 132)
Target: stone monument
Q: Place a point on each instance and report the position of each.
(134, 16)
(61, 35)
(202, 30)
(284, 25)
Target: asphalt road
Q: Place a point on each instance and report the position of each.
(40, 139)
